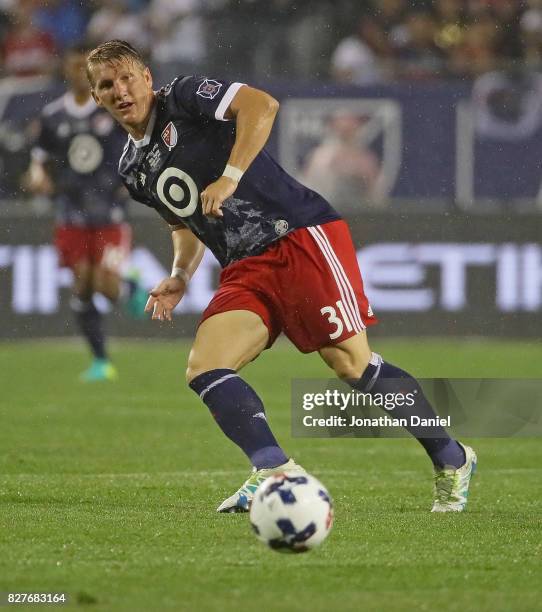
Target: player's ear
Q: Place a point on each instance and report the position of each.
(148, 76)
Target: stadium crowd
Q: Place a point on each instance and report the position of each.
(346, 40)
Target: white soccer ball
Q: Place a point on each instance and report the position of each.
(291, 512)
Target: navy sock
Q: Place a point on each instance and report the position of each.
(382, 377)
(240, 414)
(89, 321)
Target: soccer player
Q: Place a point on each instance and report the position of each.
(75, 162)
(195, 153)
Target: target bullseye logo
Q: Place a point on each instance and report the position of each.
(178, 191)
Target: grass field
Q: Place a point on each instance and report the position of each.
(108, 493)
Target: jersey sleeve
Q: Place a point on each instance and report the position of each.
(203, 97)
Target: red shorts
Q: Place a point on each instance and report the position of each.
(307, 285)
(107, 246)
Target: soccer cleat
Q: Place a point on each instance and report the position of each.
(134, 306)
(240, 501)
(100, 370)
(452, 485)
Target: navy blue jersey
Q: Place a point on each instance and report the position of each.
(186, 147)
(80, 146)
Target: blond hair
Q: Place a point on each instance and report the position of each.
(111, 52)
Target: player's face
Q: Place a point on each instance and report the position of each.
(124, 89)
(75, 72)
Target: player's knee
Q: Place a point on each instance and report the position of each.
(83, 289)
(97, 286)
(107, 283)
(196, 366)
(207, 358)
(80, 304)
(191, 373)
(83, 294)
(349, 367)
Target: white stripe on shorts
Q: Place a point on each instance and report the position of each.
(216, 383)
(354, 302)
(338, 279)
(336, 275)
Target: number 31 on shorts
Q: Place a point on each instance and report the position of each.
(339, 320)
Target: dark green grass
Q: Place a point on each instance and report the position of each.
(108, 493)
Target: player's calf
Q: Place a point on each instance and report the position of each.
(347, 359)
(355, 363)
(89, 321)
(384, 378)
(240, 414)
(454, 464)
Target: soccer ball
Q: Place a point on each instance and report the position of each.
(291, 512)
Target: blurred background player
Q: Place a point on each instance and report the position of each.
(75, 162)
(342, 168)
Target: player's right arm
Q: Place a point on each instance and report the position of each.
(187, 254)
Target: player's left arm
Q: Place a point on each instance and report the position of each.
(254, 112)
(188, 252)
(38, 178)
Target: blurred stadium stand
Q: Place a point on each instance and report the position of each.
(301, 39)
(461, 75)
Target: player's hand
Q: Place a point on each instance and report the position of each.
(37, 181)
(214, 195)
(164, 297)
